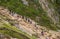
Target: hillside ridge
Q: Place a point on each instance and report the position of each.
(27, 25)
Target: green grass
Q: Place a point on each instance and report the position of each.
(13, 34)
(7, 29)
(32, 11)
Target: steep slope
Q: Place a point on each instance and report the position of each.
(30, 19)
(10, 30)
(43, 12)
(16, 25)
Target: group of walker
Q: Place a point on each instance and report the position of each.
(28, 20)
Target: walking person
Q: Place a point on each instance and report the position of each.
(42, 33)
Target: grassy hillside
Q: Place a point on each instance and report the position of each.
(12, 31)
(32, 11)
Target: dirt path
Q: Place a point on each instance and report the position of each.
(30, 28)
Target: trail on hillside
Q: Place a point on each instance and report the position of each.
(29, 26)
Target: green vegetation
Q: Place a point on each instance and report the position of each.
(56, 5)
(7, 29)
(33, 10)
(13, 33)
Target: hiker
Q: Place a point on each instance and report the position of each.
(42, 33)
(22, 17)
(11, 13)
(26, 19)
(17, 16)
(30, 22)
